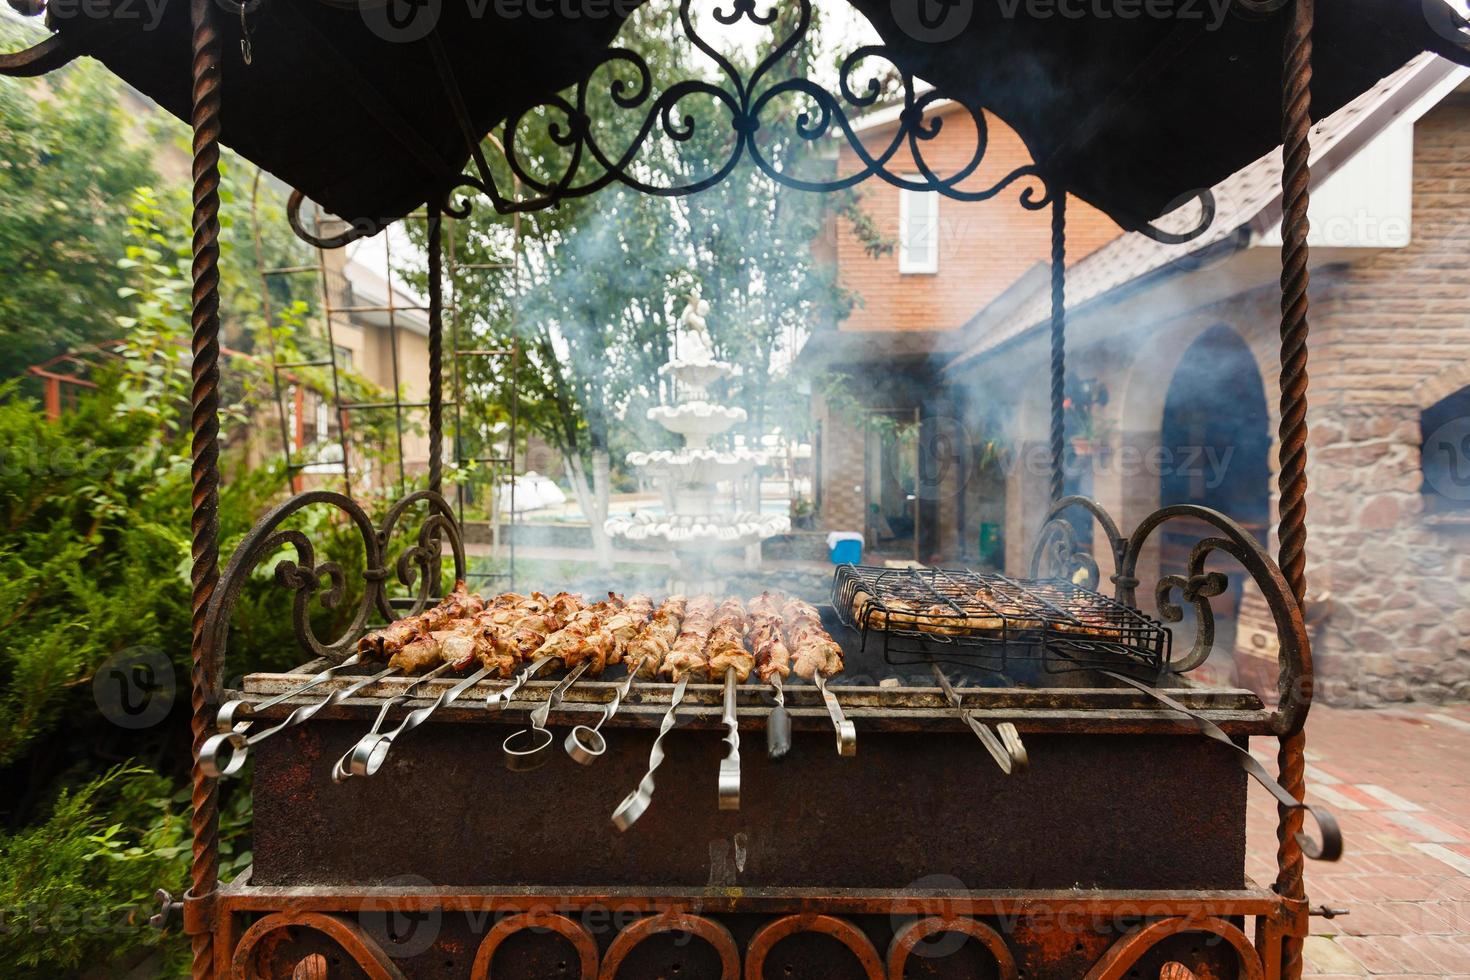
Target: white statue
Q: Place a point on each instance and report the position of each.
(695, 346)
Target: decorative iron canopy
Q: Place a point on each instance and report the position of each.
(373, 109)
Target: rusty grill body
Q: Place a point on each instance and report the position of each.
(832, 867)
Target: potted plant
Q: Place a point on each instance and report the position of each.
(1082, 411)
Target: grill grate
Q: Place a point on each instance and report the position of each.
(992, 621)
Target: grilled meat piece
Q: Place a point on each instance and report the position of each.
(627, 623)
(420, 655)
(726, 647)
(384, 643)
(812, 648)
(517, 633)
(687, 654)
(767, 639)
(657, 637)
(585, 636)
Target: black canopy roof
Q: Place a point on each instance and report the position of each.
(1130, 115)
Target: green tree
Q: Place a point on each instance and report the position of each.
(68, 166)
(601, 280)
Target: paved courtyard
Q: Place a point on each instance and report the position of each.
(1399, 782)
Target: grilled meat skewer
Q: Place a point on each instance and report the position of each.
(493, 636)
(585, 636)
(813, 651)
(233, 721)
(657, 637)
(767, 641)
(627, 624)
(688, 652)
(725, 654)
(382, 644)
(816, 656)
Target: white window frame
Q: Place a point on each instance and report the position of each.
(907, 264)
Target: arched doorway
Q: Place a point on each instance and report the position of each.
(1215, 434)
(1214, 444)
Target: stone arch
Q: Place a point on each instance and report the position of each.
(1216, 426)
(1439, 386)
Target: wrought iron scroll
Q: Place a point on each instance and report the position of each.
(325, 582)
(417, 566)
(748, 98)
(1059, 554)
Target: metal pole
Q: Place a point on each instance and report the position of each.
(436, 344)
(1292, 479)
(1058, 342)
(204, 424)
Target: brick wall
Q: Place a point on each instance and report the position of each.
(983, 246)
(1388, 584)
(1392, 337)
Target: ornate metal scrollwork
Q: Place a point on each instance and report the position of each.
(417, 567)
(254, 944)
(747, 99)
(1124, 955)
(1058, 554)
(326, 581)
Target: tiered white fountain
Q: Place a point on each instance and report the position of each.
(699, 521)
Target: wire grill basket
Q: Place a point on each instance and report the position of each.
(992, 621)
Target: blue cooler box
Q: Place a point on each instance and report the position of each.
(845, 547)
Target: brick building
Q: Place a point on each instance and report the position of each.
(1172, 351)
(948, 260)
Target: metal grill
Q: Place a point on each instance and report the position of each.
(992, 621)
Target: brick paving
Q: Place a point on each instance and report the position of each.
(1398, 780)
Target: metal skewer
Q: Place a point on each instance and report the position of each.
(730, 764)
(636, 802)
(238, 743)
(778, 723)
(534, 753)
(584, 743)
(502, 697)
(846, 732)
(1003, 744)
(372, 749)
(357, 761)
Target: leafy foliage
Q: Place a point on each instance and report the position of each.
(94, 564)
(67, 170)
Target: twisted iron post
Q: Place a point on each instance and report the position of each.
(1058, 342)
(1296, 110)
(436, 349)
(204, 424)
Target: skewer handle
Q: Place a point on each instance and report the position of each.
(846, 731)
(367, 756)
(502, 697)
(1003, 743)
(778, 724)
(636, 802)
(730, 764)
(237, 741)
(585, 743)
(527, 749)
